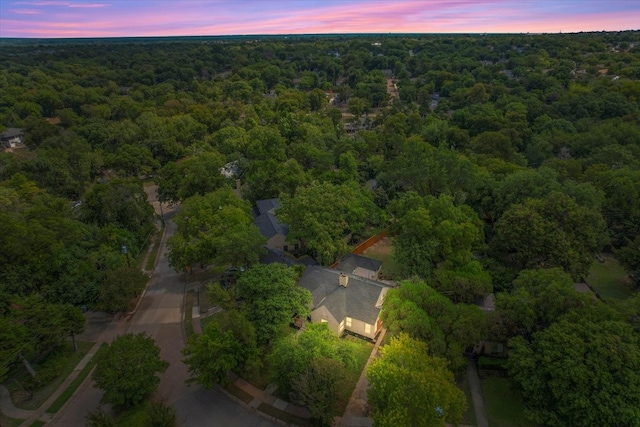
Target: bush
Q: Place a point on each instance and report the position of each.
(99, 418)
(48, 371)
(160, 415)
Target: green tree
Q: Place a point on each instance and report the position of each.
(195, 175)
(13, 341)
(271, 299)
(579, 372)
(119, 202)
(630, 254)
(322, 214)
(538, 299)
(407, 387)
(318, 388)
(160, 415)
(465, 283)
(215, 228)
(550, 232)
(119, 287)
(427, 170)
(292, 355)
(126, 370)
(430, 231)
(424, 314)
(211, 355)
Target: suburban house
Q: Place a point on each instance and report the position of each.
(12, 137)
(360, 266)
(271, 228)
(345, 301)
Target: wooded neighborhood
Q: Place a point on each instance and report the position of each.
(488, 176)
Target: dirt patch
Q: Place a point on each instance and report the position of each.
(382, 247)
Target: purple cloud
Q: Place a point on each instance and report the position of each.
(113, 18)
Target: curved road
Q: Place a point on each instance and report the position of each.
(159, 315)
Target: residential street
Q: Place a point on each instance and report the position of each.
(159, 315)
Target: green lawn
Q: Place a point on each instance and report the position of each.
(151, 261)
(43, 393)
(9, 422)
(188, 315)
(390, 268)
(503, 403)
(608, 278)
(68, 392)
(362, 353)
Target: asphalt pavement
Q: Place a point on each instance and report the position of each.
(160, 316)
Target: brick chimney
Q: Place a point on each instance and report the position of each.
(344, 280)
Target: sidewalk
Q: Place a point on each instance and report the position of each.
(116, 327)
(356, 413)
(258, 396)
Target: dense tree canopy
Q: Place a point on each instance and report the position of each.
(578, 372)
(216, 228)
(424, 314)
(126, 370)
(408, 387)
(271, 298)
(321, 215)
(491, 154)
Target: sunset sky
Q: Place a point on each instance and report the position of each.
(118, 18)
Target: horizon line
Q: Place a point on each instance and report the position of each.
(266, 35)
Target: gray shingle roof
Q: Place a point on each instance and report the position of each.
(266, 219)
(350, 262)
(361, 299)
(11, 132)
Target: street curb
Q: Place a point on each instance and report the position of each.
(144, 292)
(254, 410)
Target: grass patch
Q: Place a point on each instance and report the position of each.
(21, 377)
(134, 417)
(492, 363)
(362, 351)
(390, 268)
(68, 392)
(503, 402)
(284, 416)
(151, 261)
(37, 423)
(205, 304)
(609, 278)
(469, 416)
(9, 422)
(238, 392)
(188, 317)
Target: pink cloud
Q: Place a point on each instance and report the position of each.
(25, 11)
(193, 17)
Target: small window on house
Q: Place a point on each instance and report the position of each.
(324, 321)
(367, 328)
(348, 322)
(286, 248)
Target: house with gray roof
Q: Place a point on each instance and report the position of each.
(359, 265)
(271, 228)
(345, 301)
(12, 137)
